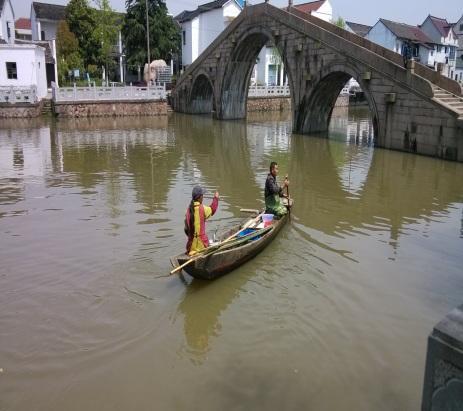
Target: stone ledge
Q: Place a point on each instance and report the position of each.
(111, 108)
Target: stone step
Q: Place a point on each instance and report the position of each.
(448, 99)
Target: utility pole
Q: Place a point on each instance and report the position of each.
(148, 43)
(290, 4)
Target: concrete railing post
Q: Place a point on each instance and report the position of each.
(443, 380)
(75, 92)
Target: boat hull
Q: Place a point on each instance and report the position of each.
(220, 263)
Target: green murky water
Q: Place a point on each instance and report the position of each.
(334, 314)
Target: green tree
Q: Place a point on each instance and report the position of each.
(164, 33)
(81, 19)
(67, 50)
(105, 33)
(340, 23)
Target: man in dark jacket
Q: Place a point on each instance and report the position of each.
(273, 192)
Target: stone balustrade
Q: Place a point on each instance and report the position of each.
(112, 93)
(14, 95)
(269, 91)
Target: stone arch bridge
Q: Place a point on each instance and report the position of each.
(413, 109)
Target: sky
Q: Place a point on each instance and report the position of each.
(360, 11)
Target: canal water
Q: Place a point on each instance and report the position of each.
(333, 315)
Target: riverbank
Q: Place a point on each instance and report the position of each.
(121, 108)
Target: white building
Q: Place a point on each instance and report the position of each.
(44, 24)
(44, 20)
(7, 34)
(202, 26)
(269, 69)
(440, 31)
(23, 67)
(321, 9)
(357, 28)
(23, 29)
(458, 29)
(395, 36)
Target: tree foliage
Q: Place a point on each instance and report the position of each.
(81, 19)
(105, 33)
(164, 33)
(67, 50)
(340, 23)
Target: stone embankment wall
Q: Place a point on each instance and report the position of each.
(269, 104)
(111, 108)
(21, 110)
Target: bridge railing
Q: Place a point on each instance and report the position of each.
(268, 91)
(421, 70)
(112, 93)
(13, 94)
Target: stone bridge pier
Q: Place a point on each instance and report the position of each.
(413, 109)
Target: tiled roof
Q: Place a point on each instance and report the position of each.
(22, 24)
(187, 15)
(45, 44)
(359, 29)
(407, 32)
(309, 7)
(442, 25)
(49, 11)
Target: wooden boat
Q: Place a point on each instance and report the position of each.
(221, 262)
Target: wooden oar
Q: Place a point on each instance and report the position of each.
(213, 248)
(249, 211)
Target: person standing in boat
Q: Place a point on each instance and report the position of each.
(273, 193)
(195, 220)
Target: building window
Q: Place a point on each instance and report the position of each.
(461, 27)
(184, 37)
(432, 53)
(42, 35)
(8, 29)
(11, 71)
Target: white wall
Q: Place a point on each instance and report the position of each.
(211, 24)
(325, 12)
(186, 48)
(431, 31)
(230, 11)
(7, 17)
(201, 31)
(50, 28)
(381, 35)
(30, 65)
(427, 57)
(35, 34)
(194, 38)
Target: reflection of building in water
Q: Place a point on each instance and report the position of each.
(25, 151)
(351, 128)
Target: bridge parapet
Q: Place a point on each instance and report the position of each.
(421, 70)
(409, 111)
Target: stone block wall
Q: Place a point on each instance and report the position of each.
(25, 110)
(111, 108)
(443, 383)
(269, 104)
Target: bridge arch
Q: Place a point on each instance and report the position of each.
(314, 113)
(201, 97)
(238, 68)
